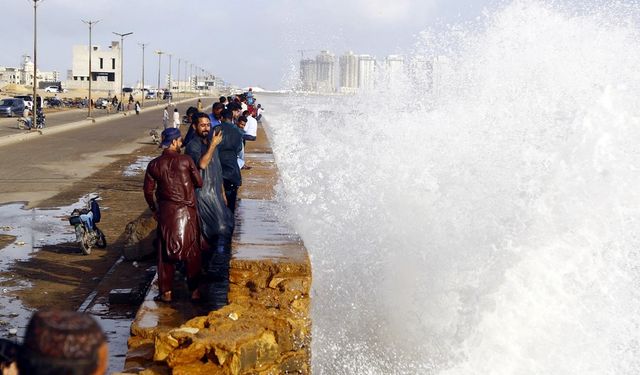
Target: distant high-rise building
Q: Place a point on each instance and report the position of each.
(308, 74)
(349, 72)
(420, 71)
(366, 72)
(325, 72)
(394, 66)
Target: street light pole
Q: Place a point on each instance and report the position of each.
(35, 61)
(142, 88)
(90, 23)
(170, 85)
(178, 93)
(158, 88)
(122, 65)
(186, 63)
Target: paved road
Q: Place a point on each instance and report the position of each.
(8, 125)
(41, 166)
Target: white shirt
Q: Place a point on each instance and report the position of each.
(251, 127)
(243, 105)
(176, 119)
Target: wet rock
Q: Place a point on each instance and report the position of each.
(138, 236)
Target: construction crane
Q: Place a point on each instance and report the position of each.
(302, 51)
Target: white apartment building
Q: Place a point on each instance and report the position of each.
(308, 74)
(325, 72)
(394, 68)
(24, 74)
(105, 68)
(349, 72)
(366, 72)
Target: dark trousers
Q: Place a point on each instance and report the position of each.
(167, 269)
(231, 192)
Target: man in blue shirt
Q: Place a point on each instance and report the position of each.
(215, 116)
(228, 151)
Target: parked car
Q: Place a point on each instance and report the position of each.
(150, 95)
(102, 103)
(12, 107)
(167, 95)
(28, 100)
(127, 90)
(52, 89)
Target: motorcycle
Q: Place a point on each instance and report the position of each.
(87, 232)
(25, 123)
(155, 136)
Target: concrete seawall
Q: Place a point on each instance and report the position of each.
(258, 320)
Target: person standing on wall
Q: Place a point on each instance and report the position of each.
(228, 150)
(174, 178)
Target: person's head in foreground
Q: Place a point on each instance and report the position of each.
(63, 343)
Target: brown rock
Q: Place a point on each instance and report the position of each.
(138, 236)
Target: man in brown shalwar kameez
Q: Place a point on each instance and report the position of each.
(176, 177)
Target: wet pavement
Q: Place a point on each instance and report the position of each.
(137, 168)
(32, 229)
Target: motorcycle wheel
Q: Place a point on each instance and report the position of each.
(87, 243)
(101, 241)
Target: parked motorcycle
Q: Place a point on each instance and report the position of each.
(41, 119)
(87, 232)
(155, 136)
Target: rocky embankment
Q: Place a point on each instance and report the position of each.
(265, 328)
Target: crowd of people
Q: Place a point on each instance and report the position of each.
(193, 194)
(193, 197)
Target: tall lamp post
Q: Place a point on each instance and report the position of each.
(90, 23)
(122, 65)
(35, 60)
(170, 83)
(178, 79)
(186, 63)
(158, 88)
(142, 88)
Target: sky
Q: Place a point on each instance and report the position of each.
(247, 43)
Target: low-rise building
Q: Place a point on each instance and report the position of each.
(105, 68)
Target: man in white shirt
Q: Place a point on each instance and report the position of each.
(251, 128)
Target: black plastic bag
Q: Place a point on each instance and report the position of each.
(216, 220)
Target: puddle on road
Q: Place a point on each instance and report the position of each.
(138, 167)
(116, 325)
(30, 229)
(34, 228)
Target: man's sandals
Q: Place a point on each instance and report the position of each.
(166, 297)
(163, 297)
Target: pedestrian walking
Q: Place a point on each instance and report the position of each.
(199, 105)
(176, 118)
(174, 178)
(137, 107)
(165, 117)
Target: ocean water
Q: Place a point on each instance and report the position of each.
(483, 221)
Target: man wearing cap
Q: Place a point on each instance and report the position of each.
(63, 342)
(178, 235)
